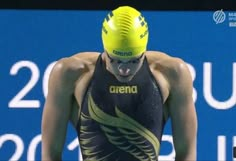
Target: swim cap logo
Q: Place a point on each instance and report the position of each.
(144, 34)
(122, 53)
(143, 24)
(123, 89)
(219, 16)
(104, 30)
(109, 16)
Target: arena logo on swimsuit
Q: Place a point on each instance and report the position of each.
(123, 89)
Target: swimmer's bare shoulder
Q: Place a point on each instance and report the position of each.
(71, 68)
(177, 87)
(58, 104)
(170, 66)
(167, 70)
(80, 62)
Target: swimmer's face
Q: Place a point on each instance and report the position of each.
(124, 69)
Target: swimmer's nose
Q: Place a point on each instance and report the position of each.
(124, 71)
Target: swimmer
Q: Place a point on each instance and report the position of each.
(120, 100)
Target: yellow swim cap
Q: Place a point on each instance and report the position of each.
(125, 33)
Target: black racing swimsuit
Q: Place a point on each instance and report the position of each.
(121, 121)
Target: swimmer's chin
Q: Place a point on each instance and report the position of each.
(124, 79)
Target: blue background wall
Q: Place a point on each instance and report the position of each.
(30, 40)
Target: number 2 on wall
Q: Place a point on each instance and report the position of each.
(17, 101)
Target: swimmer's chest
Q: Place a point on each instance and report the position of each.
(140, 99)
(116, 118)
(139, 102)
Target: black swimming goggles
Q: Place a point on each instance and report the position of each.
(118, 61)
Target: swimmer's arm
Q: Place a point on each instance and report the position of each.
(182, 113)
(56, 111)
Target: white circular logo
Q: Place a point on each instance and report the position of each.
(219, 16)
